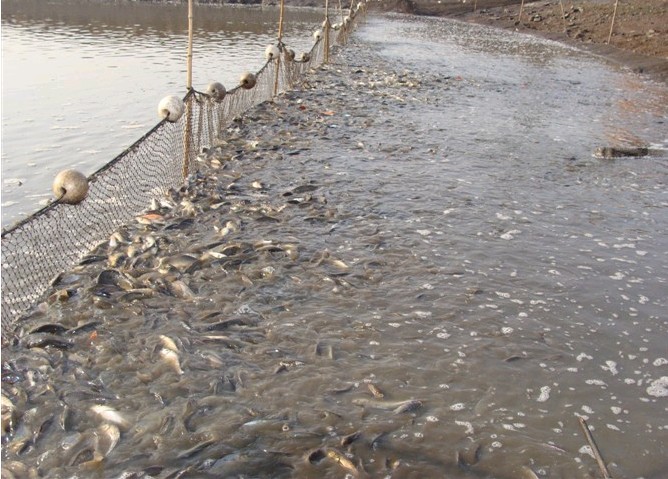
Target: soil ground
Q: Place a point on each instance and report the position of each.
(639, 37)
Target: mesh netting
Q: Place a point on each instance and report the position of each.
(36, 250)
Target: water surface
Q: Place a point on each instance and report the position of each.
(82, 80)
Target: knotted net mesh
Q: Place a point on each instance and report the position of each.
(54, 239)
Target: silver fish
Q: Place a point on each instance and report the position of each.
(172, 359)
(397, 407)
(110, 415)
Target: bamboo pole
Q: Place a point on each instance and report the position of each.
(280, 22)
(341, 11)
(612, 24)
(519, 17)
(280, 46)
(326, 31)
(187, 133)
(189, 80)
(594, 448)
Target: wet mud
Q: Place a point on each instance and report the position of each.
(401, 270)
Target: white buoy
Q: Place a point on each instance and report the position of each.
(271, 52)
(216, 90)
(70, 186)
(171, 108)
(317, 35)
(303, 57)
(336, 26)
(247, 80)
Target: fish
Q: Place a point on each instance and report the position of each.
(43, 340)
(171, 358)
(16, 469)
(397, 407)
(168, 343)
(181, 262)
(107, 437)
(197, 448)
(8, 410)
(350, 438)
(377, 393)
(110, 415)
(341, 460)
(466, 459)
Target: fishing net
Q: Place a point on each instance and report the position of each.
(38, 249)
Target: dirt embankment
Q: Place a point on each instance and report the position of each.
(639, 36)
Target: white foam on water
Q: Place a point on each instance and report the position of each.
(659, 387)
(611, 366)
(587, 450)
(544, 394)
(595, 382)
(510, 234)
(467, 425)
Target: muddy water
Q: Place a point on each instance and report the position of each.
(419, 248)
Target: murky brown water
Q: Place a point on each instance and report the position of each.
(424, 222)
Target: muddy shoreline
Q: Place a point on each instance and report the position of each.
(639, 40)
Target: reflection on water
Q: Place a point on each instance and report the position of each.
(82, 80)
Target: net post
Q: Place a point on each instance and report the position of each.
(326, 31)
(280, 47)
(187, 132)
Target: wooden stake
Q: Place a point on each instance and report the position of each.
(189, 80)
(280, 22)
(280, 47)
(326, 31)
(563, 14)
(519, 18)
(612, 24)
(594, 448)
(187, 133)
